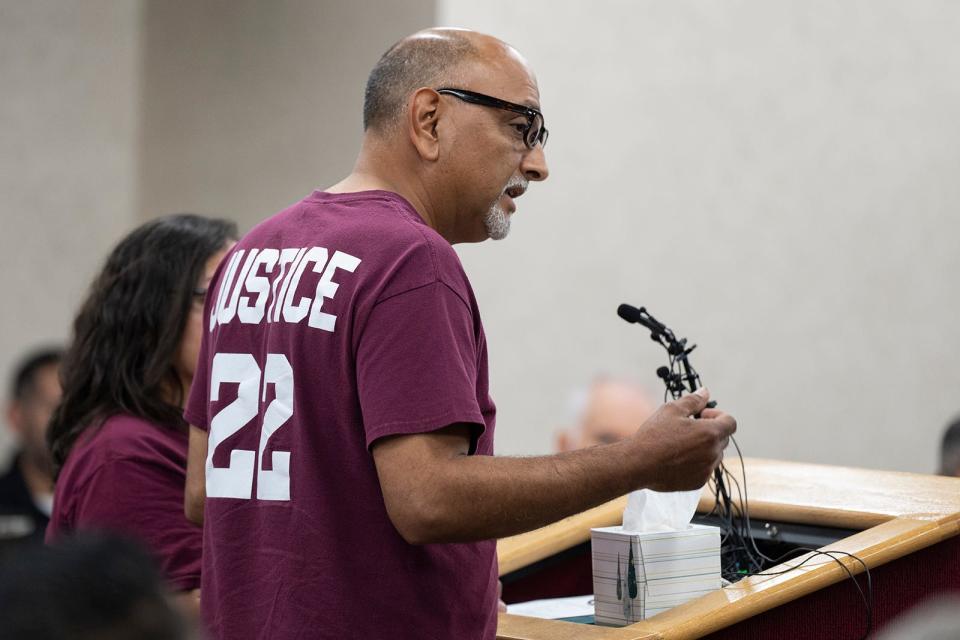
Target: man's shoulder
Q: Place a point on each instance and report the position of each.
(391, 243)
(12, 485)
(340, 215)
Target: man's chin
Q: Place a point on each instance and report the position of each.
(497, 224)
(499, 236)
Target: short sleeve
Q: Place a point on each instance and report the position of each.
(195, 412)
(417, 364)
(144, 501)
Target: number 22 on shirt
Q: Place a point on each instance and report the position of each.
(236, 479)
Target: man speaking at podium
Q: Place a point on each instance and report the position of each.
(340, 411)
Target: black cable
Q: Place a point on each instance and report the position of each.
(868, 599)
(740, 556)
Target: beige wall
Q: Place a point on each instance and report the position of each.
(777, 180)
(69, 75)
(250, 105)
(116, 111)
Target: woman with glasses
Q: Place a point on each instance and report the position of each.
(117, 438)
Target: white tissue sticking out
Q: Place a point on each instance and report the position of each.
(655, 511)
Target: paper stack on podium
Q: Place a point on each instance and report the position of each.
(638, 575)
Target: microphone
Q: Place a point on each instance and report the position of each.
(628, 313)
(640, 316)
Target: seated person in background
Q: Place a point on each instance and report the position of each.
(26, 489)
(609, 411)
(118, 441)
(91, 587)
(950, 450)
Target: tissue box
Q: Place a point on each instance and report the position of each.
(638, 575)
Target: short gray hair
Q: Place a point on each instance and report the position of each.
(405, 67)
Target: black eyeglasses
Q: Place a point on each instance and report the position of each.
(534, 132)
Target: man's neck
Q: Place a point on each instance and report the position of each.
(362, 181)
(38, 480)
(379, 168)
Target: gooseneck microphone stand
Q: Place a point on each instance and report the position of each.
(680, 378)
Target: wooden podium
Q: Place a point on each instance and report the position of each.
(904, 526)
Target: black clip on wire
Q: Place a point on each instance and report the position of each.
(685, 380)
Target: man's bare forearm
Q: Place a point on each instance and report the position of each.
(434, 492)
(482, 497)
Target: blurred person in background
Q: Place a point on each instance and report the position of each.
(90, 587)
(950, 450)
(610, 410)
(118, 440)
(26, 489)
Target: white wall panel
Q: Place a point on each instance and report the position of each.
(776, 180)
(69, 77)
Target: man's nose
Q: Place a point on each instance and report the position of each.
(534, 165)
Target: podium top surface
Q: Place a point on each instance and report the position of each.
(841, 496)
(896, 513)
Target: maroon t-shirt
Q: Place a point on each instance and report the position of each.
(336, 322)
(127, 476)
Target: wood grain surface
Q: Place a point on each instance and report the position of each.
(898, 513)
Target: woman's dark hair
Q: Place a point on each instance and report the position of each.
(127, 333)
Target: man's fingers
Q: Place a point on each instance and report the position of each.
(693, 403)
(723, 445)
(726, 424)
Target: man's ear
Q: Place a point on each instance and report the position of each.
(422, 117)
